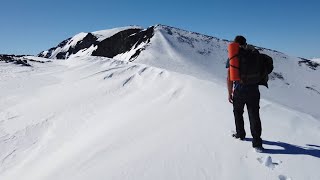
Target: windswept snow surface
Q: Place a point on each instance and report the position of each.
(99, 118)
(317, 60)
(292, 84)
(104, 34)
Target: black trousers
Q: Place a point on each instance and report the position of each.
(249, 96)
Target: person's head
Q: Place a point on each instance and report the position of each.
(241, 40)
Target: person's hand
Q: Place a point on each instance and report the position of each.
(230, 98)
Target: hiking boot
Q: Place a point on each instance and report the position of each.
(259, 149)
(237, 136)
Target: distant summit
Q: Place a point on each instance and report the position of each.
(105, 43)
(130, 40)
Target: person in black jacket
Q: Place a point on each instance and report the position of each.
(240, 95)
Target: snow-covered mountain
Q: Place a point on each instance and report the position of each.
(195, 54)
(163, 116)
(106, 43)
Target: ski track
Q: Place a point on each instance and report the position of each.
(97, 117)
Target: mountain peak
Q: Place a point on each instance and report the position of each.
(126, 43)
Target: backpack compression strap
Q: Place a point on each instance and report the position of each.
(231, 59)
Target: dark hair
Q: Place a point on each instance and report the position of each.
(241, 40)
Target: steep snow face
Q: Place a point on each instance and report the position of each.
(294, 81)
(99, 118)
(104, 34)
(185, 52)
(74, 40)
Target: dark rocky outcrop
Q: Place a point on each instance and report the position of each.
(276, 75)
(313, 89)
(16, 59)
(311, 64)
(49, 53)
(119, 43)
(123, 42)
(116, 44)
(87, 41)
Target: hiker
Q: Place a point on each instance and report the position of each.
(240, 94)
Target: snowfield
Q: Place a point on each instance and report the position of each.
(317, 60)
(100, 118)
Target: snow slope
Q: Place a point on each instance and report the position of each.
(104, 34)
(99, 118)
(316, 60)
(294, 81)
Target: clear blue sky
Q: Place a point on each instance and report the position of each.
(293, 27)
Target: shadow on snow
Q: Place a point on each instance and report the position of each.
(286, 148)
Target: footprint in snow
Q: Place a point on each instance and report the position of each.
(267, 161)
(282, 177)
